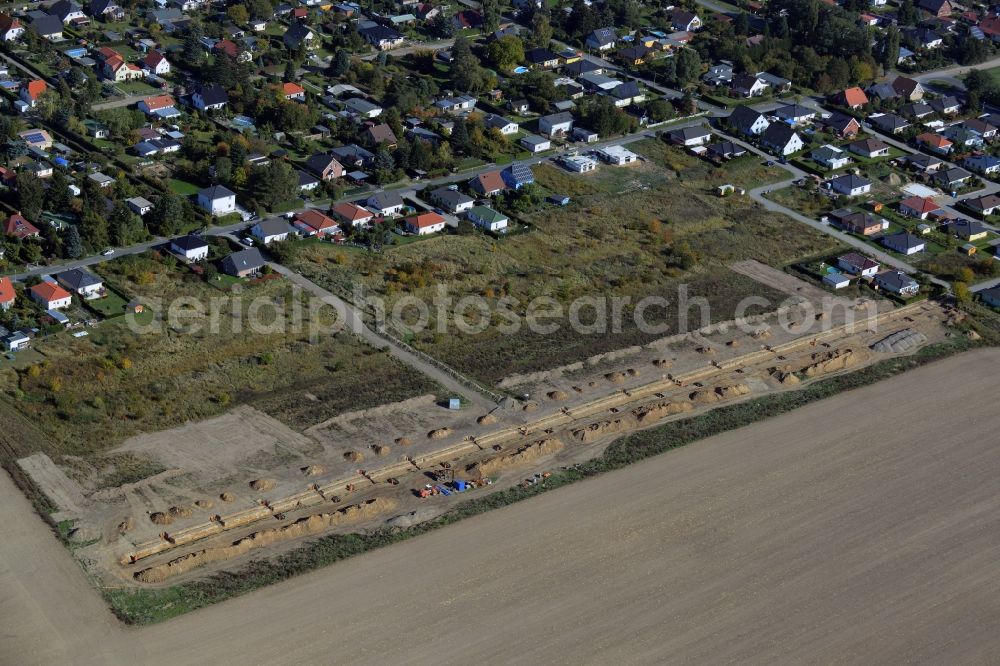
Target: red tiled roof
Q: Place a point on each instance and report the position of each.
(935, 140)
(315, 220)
(6, 290)
(36, 88)
(921, 204)
(350, 212)
(159, 102)
(19, 227)
(292, 89)
(855, 97)
(491, 181)
(424, 220)
(49, 291)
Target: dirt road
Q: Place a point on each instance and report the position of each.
(864, 529)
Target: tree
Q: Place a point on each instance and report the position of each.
(125, 227)
(491, 15)
(73, 244)
(443, 26)
(193, 53)
(30, 196)
(962, 292)
(459, 138)
(238, 14)
(541, 30)
(742, 26)
(465, 74)
(889, 54)
(506, 53)
(291, 71)
(167, 216)
(688, 66)
(274, 183)
(57, 196)
(340, 64)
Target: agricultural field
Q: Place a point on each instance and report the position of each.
(89, 393)
(629, 232)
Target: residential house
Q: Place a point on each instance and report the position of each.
(584, 135)
(967, 230)
(190, 248)
(939, 8)
(748, 121)
(456, 105)
(602, 39)
(386, 204)
(67, 11)
(48, 27)
(946, 106)
(963, 138)
(299, 35)
(699, 135)
(855, 222)
(778, 84)
(922, 163)
(541, 58)
(858, 264)
(718, 75)
(162, 106)
(217, 200)
(685, 21)
(488, 219)
(535, 144)
(726, 150)
(908, 89)
(381, 135)
(934, 142)
(245, 263)
(156, 63)
(488, 184)
(830, 157)
(32, 91)
(50, 295)
(889, 123)
(7, 293)
(293, 92)
(273, 230)
(325, 166)
(209, 98)
(381, 37)
(869, 148)
(423, 224)
(984, 164)
(916, 110)
(81, 282)
(504, 126)
(849, 185)
(616, 155)
(852, 98)
(918, 207)
(517, 175)
(898, 282)
(842, 124)
(633, 56)
(10, 28)
(314, 223)
(904, 243)
(579, 163)
(795, 114)
(981, 127)
(352, 214)
(951, 178)
(452, 200)
(991, 296)
(106, 10)
(139, 205)
(360, 107)
(467, 19)
(353, 155)
(519, 106)
(38, 139)
(987, 204)
(782, 139)
(18, 226)
(745, 85)
(556, 124)
(116, 69)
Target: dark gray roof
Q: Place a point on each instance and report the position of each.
(450, 198)
(189, 242)
(902, 241)
(47, 25)
(77, 278)
(249, 259)
(383, 200)
(214, 192)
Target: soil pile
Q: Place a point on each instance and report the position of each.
(525, 454)
(227, 497)
(181, 511)
(261, 485)
(126, 525)
(161, 518)
(439, 433)
(486, 419)
(353, 456)
(557, 395)
(313, 470)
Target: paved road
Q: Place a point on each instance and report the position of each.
(830, 533)
(953, 73)
(119, 102)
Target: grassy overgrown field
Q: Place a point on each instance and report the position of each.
(146, 606)
(629, 232)
(90, 393)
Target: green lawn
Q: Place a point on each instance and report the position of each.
(111, 305)
(183, 187)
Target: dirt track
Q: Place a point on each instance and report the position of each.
(864, 529)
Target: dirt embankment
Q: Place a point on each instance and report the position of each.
(525, 454)
(311, 525)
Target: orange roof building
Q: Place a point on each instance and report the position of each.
(424, 220)
(854, 98)
(19, 227)
(351, 213)
(50, 294)
(36, 88)
(7, 293)
(292, 90)
(313, 222)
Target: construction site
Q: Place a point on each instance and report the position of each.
(244, 485)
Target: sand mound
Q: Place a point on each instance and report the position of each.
(786, 378)
(732, 391)
(313, 470)
(557, 395)
(126, 525)
(381, 449)
(404, 441)
(761, 334)
(826, 362)
(615, 377)
(632, 372)
(161, 518)
(308, 526)
(973, 335)
(660, 410)
(439, 433)
(262, 484)
(525, 454)
(181, 511)
(530, 406)
(227, 497)
(353, 456)
(204, 504)
(486, 419)
(705, 397)
(662, 362)
(600, 429)
(733, 343)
